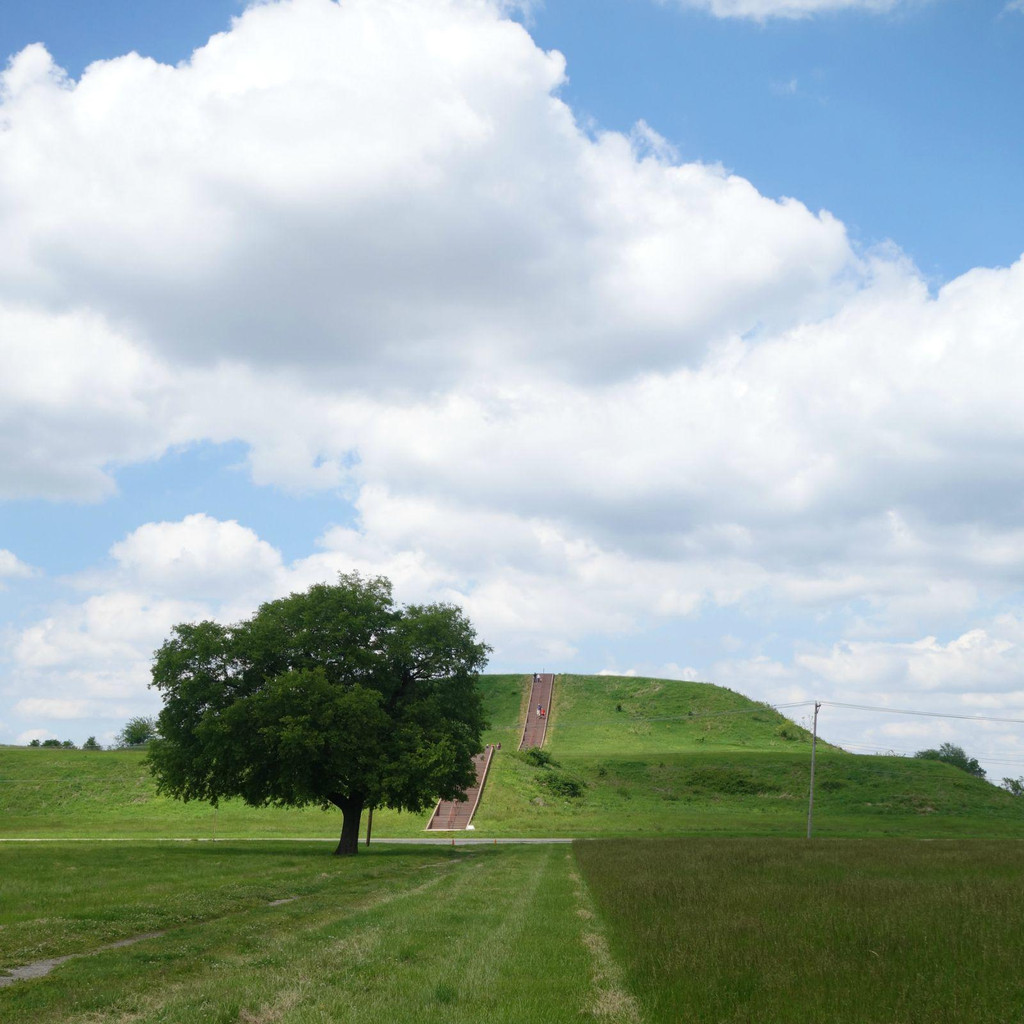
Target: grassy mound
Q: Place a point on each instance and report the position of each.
(624, 757)
(629, 757)
(603, 714)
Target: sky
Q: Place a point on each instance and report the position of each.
(675, 338)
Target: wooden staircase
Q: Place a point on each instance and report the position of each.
(457, 815)
(536, 727)
(452, 815)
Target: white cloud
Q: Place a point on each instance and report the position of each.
(761, 10)
(323, 187)
(981, 661)
(566, 380)
(75, 396)
(199, 557)
(11, 567)
(70, 710)
(91, 657)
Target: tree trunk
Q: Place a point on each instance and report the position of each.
(351, 811)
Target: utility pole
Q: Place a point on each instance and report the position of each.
(814, 746)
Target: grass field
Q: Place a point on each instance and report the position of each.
(409, 934)
(787, 932)
(719, 931)
(634, 757)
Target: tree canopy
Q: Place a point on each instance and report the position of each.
(950, 753)
(334, 696)
(137, 732)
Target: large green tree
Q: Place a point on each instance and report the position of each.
(335, 696)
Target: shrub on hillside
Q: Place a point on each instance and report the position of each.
(729, 782)
(950, 753)
(564, 785)
(539, 758)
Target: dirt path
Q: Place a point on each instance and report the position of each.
(41, 968)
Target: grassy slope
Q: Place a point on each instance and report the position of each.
(662, 757)
(789, 932)
(48, 792)
(418, 934)
(678, 758)
(616, 714)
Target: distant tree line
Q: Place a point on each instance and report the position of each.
(137, 732)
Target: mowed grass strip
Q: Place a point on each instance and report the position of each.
(422, 934)
(849, 932)
(60, 899)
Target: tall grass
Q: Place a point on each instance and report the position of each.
(845, 932)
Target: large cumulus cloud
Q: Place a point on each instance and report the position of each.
(389, 192)
(560, 376)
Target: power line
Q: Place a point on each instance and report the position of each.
(923, 714)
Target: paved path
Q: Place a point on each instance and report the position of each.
(536, 727)
(457, 814)
(376, 841)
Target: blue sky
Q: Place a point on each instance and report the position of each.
(692, 355)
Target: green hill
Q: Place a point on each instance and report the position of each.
(602, 714)
(628, 757)
(666, 757)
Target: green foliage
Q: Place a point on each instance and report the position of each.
(137, 732)
(34, 743)
(949, 753)
(334, 696)
(561, 784)
(539, 758)
(728, 781)
(91, 744)
(1014, 786)
(51, 743)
